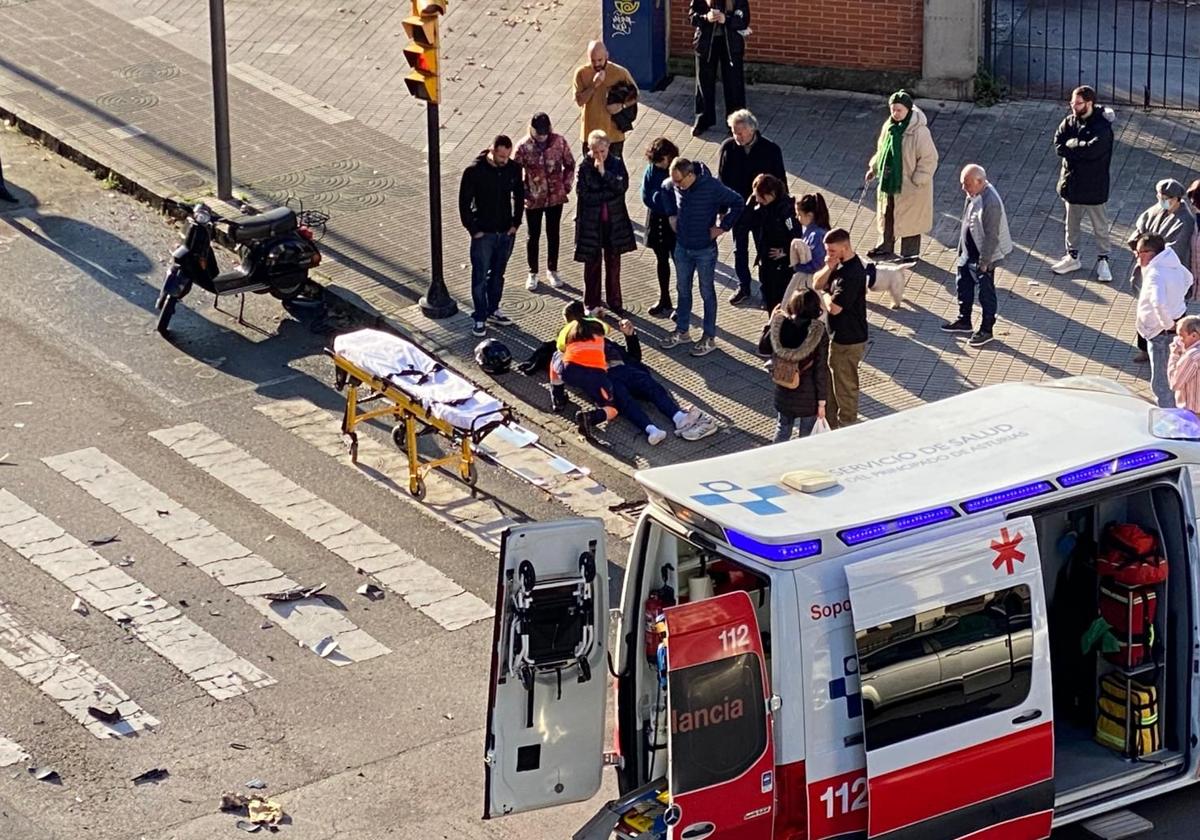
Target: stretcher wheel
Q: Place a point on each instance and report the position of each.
(471, 475)
(398, 436)
(416, 487)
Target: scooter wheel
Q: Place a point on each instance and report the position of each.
(164, 315)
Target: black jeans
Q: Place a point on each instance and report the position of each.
(553, 225)
(910, 246)
(733, 82)
(662, 258)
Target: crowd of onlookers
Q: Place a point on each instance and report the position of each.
(812, 284)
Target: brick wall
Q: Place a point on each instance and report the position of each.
(842, 34)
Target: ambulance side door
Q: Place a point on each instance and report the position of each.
(720, 742)
(549, 678)
(977, 749)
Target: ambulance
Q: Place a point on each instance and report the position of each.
(977, 618)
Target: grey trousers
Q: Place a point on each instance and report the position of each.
(1097, 215)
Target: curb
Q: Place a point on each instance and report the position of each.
(171, 206)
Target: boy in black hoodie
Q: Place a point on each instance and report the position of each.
(491, 199)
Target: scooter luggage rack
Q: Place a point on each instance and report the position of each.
(553, 625)
(409, 415)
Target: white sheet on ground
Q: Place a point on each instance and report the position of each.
(443, 393)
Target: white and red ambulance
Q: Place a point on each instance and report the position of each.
(889, 631)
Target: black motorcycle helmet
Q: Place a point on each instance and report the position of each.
(492, 356)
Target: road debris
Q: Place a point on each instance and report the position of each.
(46, 774)
(80, 607)
(126, 561)
(324, 647)
(237, 746)
(296, 593)
(104, 715)
(371, 592)
(256, 784)
(104, 540)
(247, 826)
(154, 776)
(4, 462)
(232, 801)
(265, 811)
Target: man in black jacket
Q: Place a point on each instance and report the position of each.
(1084, 141)
(720, 43)
(491, 199)
(743, 157)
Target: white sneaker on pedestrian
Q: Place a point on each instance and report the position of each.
(1066, 265)
(688, 418)
(704, 346)
(675, 339)
(1103, 272)
(553, 279)
(655, 435)
(531, 281)
(479, 330)
(500, 318)
(595, 312)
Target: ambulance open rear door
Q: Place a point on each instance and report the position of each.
(720, 747)
(954, 667)
(549, 681)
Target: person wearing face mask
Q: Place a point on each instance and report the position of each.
(548, 169)
(1171, 219)
(905, 161)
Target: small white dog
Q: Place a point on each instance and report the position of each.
(888, 279)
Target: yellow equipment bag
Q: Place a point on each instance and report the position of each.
(1128, 716)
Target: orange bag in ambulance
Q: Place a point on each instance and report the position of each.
(888, 631)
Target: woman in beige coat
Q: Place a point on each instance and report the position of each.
(904, 161)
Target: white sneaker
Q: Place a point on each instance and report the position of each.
(697, 431)
(675, 339)
(1066, 265)
(690, 418)
(553, 279)
(531, 281)
(595, 312)
(1103, 272)
(656, 437)
(704, 346)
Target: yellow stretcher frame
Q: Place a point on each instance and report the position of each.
(408, 413)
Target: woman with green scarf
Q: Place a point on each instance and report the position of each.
(905, 160)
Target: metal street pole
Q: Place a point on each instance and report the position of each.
(216, 23)
(437, 302)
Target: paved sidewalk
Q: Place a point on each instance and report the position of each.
(320, 113)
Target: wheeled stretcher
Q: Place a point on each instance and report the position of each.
(419, 391)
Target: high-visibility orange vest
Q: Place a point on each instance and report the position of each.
(589, 353)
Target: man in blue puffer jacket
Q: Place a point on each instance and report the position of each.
(701, 209)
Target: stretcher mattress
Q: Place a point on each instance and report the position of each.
(441, 392)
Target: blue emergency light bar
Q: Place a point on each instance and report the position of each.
(889, 527)
(1115, 466)
(1003, 497)
(780, 553)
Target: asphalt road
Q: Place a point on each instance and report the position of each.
(386, 744)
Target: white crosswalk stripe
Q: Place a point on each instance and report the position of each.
(45, 663)
(219, 556)
(11, 752)
(421, 585)
(445, 499)
(109, 590)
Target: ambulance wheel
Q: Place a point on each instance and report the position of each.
(587, 566)
(398, 436)
(471, 476)
(416, 487)
(528, 576)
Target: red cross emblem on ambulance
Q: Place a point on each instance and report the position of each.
(1007, 553)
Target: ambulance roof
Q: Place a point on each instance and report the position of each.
(990, 439)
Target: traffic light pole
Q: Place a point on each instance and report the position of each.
(437, 302)
(216, 23)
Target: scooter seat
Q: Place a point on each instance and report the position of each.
(244, 229)
(234, 281)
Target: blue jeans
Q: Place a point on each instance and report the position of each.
(784, 423)
(489, 258)
(969, 276)
(1160, 352)
(703, 263)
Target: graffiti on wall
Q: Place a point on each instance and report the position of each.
(622, 16)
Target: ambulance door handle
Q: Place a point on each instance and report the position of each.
(1025, 717)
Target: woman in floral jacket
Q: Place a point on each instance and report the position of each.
(549, 171)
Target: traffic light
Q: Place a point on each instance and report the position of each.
(422, 54)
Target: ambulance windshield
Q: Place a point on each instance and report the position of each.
(718, 721)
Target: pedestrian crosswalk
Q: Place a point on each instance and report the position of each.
(54, 544)
(250, 577)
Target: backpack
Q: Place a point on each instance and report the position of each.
(1131, 555)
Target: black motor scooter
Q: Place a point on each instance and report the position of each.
(277, 249)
